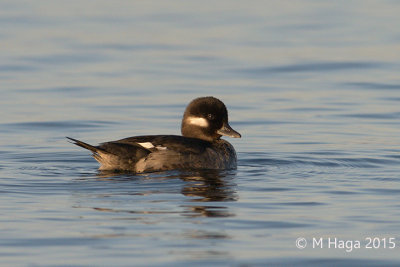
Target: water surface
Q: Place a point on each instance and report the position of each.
(313, 87)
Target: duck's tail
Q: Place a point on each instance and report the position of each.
(84, 145)
(114, 155)
(97, 151)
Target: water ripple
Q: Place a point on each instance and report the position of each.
(63, 59)
(373, 85)
(264, 159)
(384, 191)
(254, 224)
(376, 116)
(310, 203)
(57, 125)
(311, 67)
(16, 68)
(136, 47)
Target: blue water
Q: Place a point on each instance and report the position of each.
(312, 86)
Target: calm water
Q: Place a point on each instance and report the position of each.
(312, 86)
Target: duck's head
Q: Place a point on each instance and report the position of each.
(206, 118)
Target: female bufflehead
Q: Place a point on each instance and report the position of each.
(205, 120)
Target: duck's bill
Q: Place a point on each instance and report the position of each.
(228, 131)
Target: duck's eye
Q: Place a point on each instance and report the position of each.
(210, 116)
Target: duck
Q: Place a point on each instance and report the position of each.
(200, 147)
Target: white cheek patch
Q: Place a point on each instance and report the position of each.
(147, 145)
(198, 121)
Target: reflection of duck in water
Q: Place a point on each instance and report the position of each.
(205, 120)
(206, 191)
(209, 186)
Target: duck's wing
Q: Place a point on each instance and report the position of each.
(169, 152)
(176, 143)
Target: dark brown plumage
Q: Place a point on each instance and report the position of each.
(205, 120)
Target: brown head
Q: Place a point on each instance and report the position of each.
(206, 118)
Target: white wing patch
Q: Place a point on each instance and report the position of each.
(147, 145)
(198, 121)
